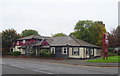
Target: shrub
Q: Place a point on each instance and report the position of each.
(16, 53)
(33, 53)
(46, 53)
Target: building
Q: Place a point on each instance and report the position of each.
(62, 47)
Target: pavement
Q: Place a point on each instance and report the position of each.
(42, 66)
(75, 62)
(7, 69)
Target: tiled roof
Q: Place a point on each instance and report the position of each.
(83, 43)
(33, 36)
(63, 41)
(60, 41)
(69, 40)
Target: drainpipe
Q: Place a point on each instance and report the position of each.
(68, 50)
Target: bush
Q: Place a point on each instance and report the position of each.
(16, 53)
(46, 53)
(33, 53)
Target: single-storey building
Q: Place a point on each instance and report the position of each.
(62, 47)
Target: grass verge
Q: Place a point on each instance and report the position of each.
(111, 59)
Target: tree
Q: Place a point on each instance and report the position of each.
(117, 35)
(28, 32)
(8, 37)
(90, 31)
(114, 37)
(59, 34)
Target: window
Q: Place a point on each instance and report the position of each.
(91, 52)
(23, 41)
(17, 42)
(64, 50)
(87, 51)
(98, 51)
(75, 51)
(53, 50)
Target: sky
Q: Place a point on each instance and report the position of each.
(55, 16)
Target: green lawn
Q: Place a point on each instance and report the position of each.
(111, 59)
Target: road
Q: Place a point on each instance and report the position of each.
(21, 66)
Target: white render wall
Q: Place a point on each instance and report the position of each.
(21, 50)
(95, 52)
(81, 51)
(16, 48)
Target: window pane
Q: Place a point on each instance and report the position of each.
(65, 51)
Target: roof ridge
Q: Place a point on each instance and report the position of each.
(74, 39)
(82, 41)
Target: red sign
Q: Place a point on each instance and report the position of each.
(105, 42)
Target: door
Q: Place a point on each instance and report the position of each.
(58, 52)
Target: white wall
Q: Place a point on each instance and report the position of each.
(21, 50)
(73, 56)
(81, 50)
(51, 49)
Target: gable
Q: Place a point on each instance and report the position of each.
(44, 43)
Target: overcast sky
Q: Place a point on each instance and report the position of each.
(56, 16)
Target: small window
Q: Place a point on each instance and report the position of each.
(53, 52)
(75, 51)
(64, 50)
(23, 41)
(53, 49)
(87, 51)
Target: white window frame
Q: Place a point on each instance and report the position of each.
(74, 50)
(63, 49)
(53, 50)
(24, 41)
(92, 51)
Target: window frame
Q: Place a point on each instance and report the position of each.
(74, 50)
(63, 50)
(24, 41)
(53, 50)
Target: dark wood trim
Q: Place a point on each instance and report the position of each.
(72, 50)
(78, 50)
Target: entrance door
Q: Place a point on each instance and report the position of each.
(58, 52)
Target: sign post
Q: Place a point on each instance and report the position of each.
(105, 46)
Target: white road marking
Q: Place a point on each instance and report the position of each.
(43, 72)
(17, 66)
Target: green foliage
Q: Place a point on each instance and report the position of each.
(59, 34)
(33, 53)
(114, 38)
(16, 53)
(111, 59)
(112, 54)
(8, 37)
(90, 31)
(28, 32)
(46, 53)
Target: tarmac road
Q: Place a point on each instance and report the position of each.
(21, 66)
